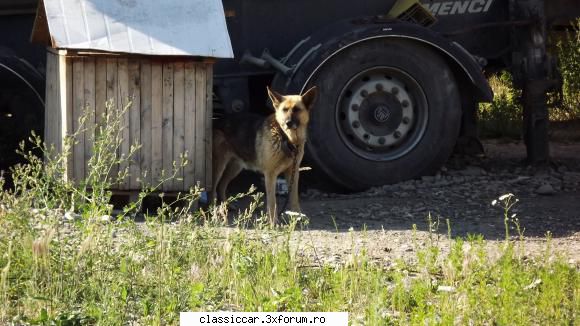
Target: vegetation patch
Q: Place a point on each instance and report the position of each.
(503, 117)
(568, 108)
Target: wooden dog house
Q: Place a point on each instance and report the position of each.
(153, 55)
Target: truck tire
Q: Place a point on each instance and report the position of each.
(387, 111)
(20, 114)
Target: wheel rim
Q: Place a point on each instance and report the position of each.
(381, 113)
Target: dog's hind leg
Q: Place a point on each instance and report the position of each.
(218, 169)
(232, 170)
(221, 158)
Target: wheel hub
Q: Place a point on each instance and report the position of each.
(382, 113)
(378, 113)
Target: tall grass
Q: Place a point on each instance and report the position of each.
(569, 65)
(64, 260)
(503, 116)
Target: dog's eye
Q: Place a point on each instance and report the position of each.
(296, 110)
(285, 110)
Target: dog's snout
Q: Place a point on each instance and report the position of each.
(291, 124)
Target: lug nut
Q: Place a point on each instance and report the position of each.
(397, 134)
(379, 87)
(356, 124)
(382, 140)
(395, 90)
(405, 103)
(364, 93)
(406, 120)
(354, 107)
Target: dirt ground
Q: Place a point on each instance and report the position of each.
(381, 220)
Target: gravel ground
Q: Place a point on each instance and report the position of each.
(381, 220)
(392, 221)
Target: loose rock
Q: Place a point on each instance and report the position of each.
(546, 189)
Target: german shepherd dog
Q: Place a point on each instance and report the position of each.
(271, 145)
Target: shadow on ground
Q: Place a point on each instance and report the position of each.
(466, 201)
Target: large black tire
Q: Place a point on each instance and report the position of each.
(20, 113)
(404, 132)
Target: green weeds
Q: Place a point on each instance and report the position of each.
(569, 66)
(503, 117)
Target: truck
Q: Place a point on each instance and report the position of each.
(400, 81)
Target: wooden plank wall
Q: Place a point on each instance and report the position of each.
(135, 123)
(164, 106)
(167, 124)
(79, 106)
(90, 99)
(156, 121)
(178, 120)
(112, 95)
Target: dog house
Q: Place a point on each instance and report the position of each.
(154, 57)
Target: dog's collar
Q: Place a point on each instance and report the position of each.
(287, 147)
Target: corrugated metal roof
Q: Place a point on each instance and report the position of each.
(152, 27)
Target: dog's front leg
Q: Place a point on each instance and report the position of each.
(271, 197)
(292, 175)
(292, 181)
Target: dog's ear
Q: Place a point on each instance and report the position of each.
(275, 97)
(309, 97)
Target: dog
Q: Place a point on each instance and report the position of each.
(271, 145)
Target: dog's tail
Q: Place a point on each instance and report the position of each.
(218, 121)
(219, 111)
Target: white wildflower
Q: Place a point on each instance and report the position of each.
(194, 272)
(506, 196)
(533, 285)
(136, 257)
(69, 216)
